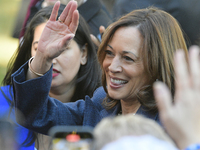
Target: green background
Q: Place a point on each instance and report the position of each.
(8, 14)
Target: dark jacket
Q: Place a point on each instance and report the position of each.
(41, 112)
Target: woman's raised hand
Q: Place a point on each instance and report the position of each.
(57, 34)
(182, 119)
(55, 37)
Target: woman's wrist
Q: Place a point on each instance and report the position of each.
(31, 69)
(38, 66)
(41, 64)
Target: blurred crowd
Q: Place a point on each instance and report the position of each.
(126, 69)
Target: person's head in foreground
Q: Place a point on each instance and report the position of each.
(112, 129)
(143, 142)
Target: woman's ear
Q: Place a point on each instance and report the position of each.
(84, 54)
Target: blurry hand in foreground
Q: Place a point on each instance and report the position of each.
(94, 39)
(182, 119)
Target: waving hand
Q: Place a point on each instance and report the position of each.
(57, 34)
(55, 37)
(182, 118)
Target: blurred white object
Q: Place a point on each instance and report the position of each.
(144, 142)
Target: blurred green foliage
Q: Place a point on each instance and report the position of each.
(8, 13)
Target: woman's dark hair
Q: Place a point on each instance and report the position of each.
(89, 74)
(161, 37)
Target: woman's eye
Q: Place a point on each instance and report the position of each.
(108, 52)
(128, 58)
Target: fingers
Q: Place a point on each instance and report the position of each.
(181, 71)
(102, 29)
(163, 97)
(74, 23)
(70, 16)
(65, 41)
(70, 13)
(194, 66)
(65, 12)
(54, 12)
(95, 40)
(72, 27)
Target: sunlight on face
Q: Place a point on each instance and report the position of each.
(123, 65)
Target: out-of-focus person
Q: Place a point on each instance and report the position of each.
(92, 11)
(187, 13)
(112, 129)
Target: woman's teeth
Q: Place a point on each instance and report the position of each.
(116, 81)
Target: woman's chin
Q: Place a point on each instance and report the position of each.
(114, 96)
(54, 85)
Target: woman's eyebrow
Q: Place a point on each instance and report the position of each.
(125, 52)
(110, 46)
(35, 42)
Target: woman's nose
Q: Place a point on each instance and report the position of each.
(115, 65)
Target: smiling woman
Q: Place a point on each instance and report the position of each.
(135, 51)
(124, 67)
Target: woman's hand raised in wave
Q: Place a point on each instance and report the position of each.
(55, 37)
(181, 118)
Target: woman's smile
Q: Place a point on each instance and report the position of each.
(117, 83)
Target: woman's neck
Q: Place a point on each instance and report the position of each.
(130, 107)
(63, 96)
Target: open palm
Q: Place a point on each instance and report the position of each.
(57, 34)
(181, 118)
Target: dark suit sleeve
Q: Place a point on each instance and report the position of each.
(40, 112)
